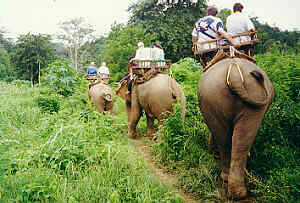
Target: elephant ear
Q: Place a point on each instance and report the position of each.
(248, 86)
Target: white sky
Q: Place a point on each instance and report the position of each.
(43, 16)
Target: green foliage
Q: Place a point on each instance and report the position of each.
(67, 157)
(31, 54)
(274, 155)
(6, 71)
(50, 105)
(61, 77)
(272, 37)
(171, 23)
(21, 83)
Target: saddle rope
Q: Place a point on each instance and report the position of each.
(229, 71)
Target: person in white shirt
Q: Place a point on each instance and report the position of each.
(103, 71)
(143, 54)
(158, 54)
(238, 23)
(208, 28)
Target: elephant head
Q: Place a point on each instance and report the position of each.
(233, 96)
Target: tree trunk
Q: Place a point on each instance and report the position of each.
(31, 76)
(39, 73)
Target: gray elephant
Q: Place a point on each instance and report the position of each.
(155, 96)
(233, 95)
(101, 96)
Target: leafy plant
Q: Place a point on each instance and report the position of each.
(49, 105)
(61, 77)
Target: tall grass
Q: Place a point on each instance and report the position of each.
(73, 155)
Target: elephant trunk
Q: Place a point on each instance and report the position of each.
(259, 96)
(177, 92)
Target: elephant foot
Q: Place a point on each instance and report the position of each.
(224, 176)
(237, 191)
(133, 134)
(150, 132)
(210, 140)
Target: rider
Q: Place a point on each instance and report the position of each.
(103, 71)
(208, 28)
(92, 69)
(158, 54)
(238, 23)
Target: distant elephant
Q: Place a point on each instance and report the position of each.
(233, 95)
(101, 96)
(155, 96)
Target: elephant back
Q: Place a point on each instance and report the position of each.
(243, 78)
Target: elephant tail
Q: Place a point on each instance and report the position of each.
(178, 94)
(257, 96)
(108, 97)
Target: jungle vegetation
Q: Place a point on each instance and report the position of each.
(55, 148)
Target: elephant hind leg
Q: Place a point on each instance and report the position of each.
(150, 126)
(244, 133)
(221, 137)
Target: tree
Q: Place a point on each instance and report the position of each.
(31, 53)
(270, 36)
(75, 34)
(171, 22)
(94, 50)
(4, 41)
(5, 66)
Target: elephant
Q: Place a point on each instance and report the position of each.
(155, 96)
(101, 96)
(233, 96)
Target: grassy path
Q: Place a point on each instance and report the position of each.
(164, 177)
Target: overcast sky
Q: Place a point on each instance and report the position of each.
(43, 16)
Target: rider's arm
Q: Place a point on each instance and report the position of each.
(226, 36)
(194, 39)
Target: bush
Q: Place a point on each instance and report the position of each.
(49, 105)
(61, 77)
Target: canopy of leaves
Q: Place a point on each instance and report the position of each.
(5, 42)
(171, 23)
(75, 33)
(271, 37)
(30, 50)
(6, 71)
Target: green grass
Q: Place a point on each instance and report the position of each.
(74, 155)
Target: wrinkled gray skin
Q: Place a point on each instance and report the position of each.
(101, 96)
(233, 114)
(156, 97)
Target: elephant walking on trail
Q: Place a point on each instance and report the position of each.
(101, 96)
(233, 95)
(155, 96)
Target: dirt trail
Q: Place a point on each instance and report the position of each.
(164, 177)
